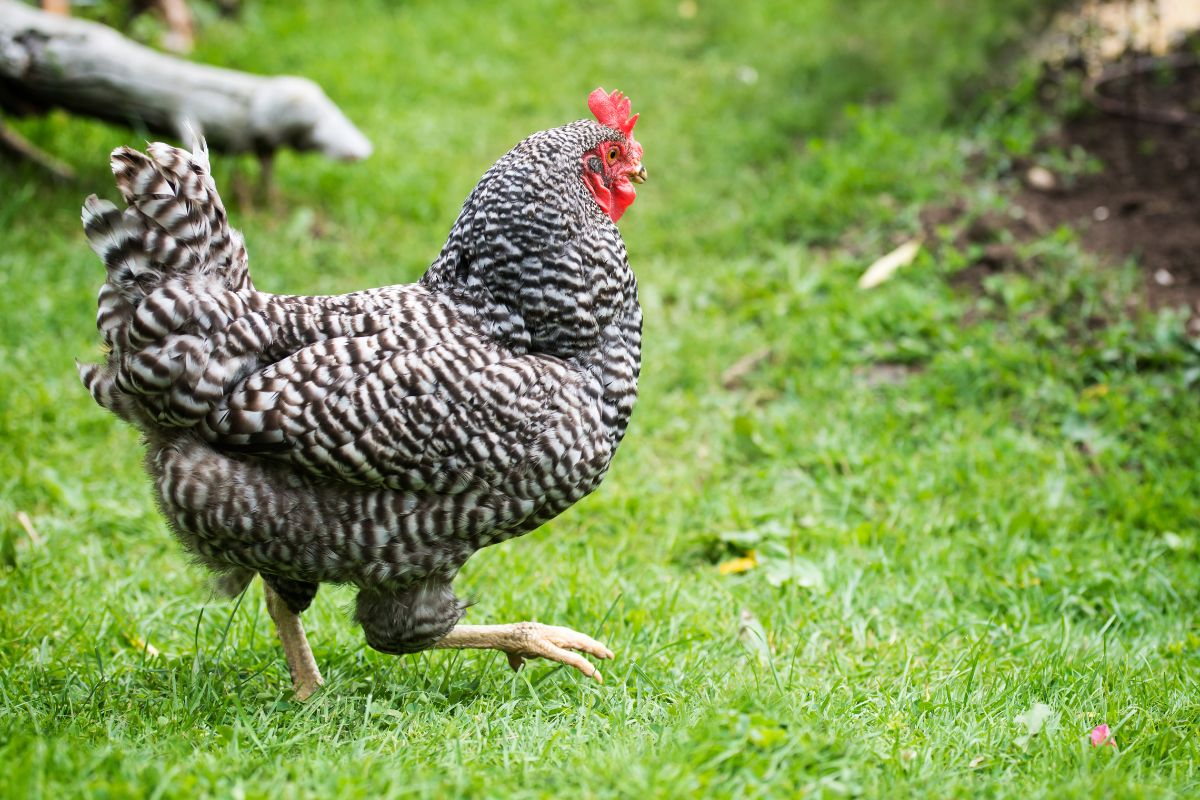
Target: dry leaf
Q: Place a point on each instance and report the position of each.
(884, 268)
(735, 565)
(140, 644)
(31, 531)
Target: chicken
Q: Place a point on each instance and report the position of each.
(378, 438)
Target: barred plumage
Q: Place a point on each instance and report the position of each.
(381, 437)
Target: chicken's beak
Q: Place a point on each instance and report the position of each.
(638, 174)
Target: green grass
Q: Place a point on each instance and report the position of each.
(1014, 523)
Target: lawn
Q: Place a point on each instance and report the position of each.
(974, 513)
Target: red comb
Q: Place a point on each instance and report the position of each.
(612, 110)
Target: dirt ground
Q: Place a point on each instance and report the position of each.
(1144, 202)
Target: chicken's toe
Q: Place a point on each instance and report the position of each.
(524, 640)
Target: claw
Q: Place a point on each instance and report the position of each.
(524, 640)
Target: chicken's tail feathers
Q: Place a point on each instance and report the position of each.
(173, 228)
(177, 277)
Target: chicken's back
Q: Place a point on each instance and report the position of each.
(179, 314)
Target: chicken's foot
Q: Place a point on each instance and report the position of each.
(306, 678)
(522, 640)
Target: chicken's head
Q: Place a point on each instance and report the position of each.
(612, 167)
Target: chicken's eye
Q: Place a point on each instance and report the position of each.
(612, 154)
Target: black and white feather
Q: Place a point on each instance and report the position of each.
(381, 437)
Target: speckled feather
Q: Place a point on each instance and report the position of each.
(381, 437)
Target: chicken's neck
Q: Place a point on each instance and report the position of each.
(577, 302)
(559, 296)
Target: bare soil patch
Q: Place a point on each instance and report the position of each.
(1144, 202)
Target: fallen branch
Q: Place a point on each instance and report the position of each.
(50, 61)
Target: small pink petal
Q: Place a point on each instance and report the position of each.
(1100, 736)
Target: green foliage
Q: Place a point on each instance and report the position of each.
(976, 514)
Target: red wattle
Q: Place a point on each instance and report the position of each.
(623, 195)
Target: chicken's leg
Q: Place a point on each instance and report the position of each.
(306, 678)
(522, 640)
